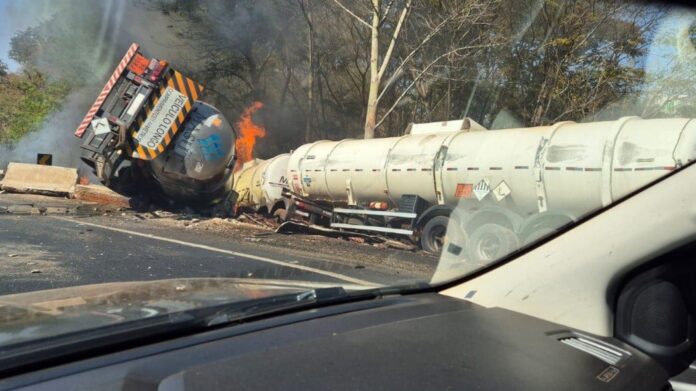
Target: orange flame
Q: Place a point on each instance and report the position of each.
(248, 132)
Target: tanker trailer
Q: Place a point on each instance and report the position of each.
(503, 188)
(147, 130)
(260, 184)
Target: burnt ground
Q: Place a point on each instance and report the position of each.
(48, 242)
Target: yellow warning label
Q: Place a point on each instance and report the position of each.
(174, 85)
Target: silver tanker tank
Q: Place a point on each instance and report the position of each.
(197, 168)
(510, 186)
(538, 166)
(260, 183)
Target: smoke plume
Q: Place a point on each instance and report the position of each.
(84, 41)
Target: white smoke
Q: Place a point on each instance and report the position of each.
(56, 135)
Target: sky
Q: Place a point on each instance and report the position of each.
(17, 15)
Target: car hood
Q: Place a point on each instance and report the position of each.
(42, 314)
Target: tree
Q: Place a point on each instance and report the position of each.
(4, 70)
(25, 46)
(306, 7)
(443, 49)
(577, 58)
(380, 21)
(500, 62)
(670, 83)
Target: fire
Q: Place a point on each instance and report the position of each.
(248, 132)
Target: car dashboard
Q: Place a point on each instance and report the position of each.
(412, 342)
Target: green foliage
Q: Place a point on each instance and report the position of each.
(26, 99)
(25, 46)
(67, 45)
(534, 62)
(57, 55)
(512, 62)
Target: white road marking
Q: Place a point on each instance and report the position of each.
(228, 252)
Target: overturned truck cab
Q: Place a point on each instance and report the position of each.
(147, 129)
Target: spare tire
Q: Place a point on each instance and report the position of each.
(438, 232)
(490, 242)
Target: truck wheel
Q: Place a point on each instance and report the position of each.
(490, 242)
(435, 234)
(538, 234)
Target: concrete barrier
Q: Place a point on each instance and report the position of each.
(36, 179)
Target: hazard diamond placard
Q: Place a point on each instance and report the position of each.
(501, 191)
(482, 189)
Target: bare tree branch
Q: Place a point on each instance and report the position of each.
(351, 13)
(387, 10)
(413, 52)
(395, 36)
(418, 77)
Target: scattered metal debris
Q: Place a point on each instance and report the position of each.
(296, 227)
(257, 220)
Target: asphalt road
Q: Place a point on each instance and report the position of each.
(44, 252)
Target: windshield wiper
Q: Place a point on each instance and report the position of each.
(240, 311)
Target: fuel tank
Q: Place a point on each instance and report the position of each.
(197, 166)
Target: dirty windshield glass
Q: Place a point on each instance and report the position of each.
(192, 153)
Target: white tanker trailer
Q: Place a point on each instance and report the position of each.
(502, 187)
(260, 183)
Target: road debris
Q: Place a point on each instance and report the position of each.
(100, 195)
(22, 209)
(296, 227)
(257, 220)
(162, 214)
(35, 271)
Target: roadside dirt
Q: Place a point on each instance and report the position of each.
(416, 264)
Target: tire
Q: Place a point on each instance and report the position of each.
(490, 242)
(280, 215)
(537, 234)
(435, 235)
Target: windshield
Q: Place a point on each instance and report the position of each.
(286, 146)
